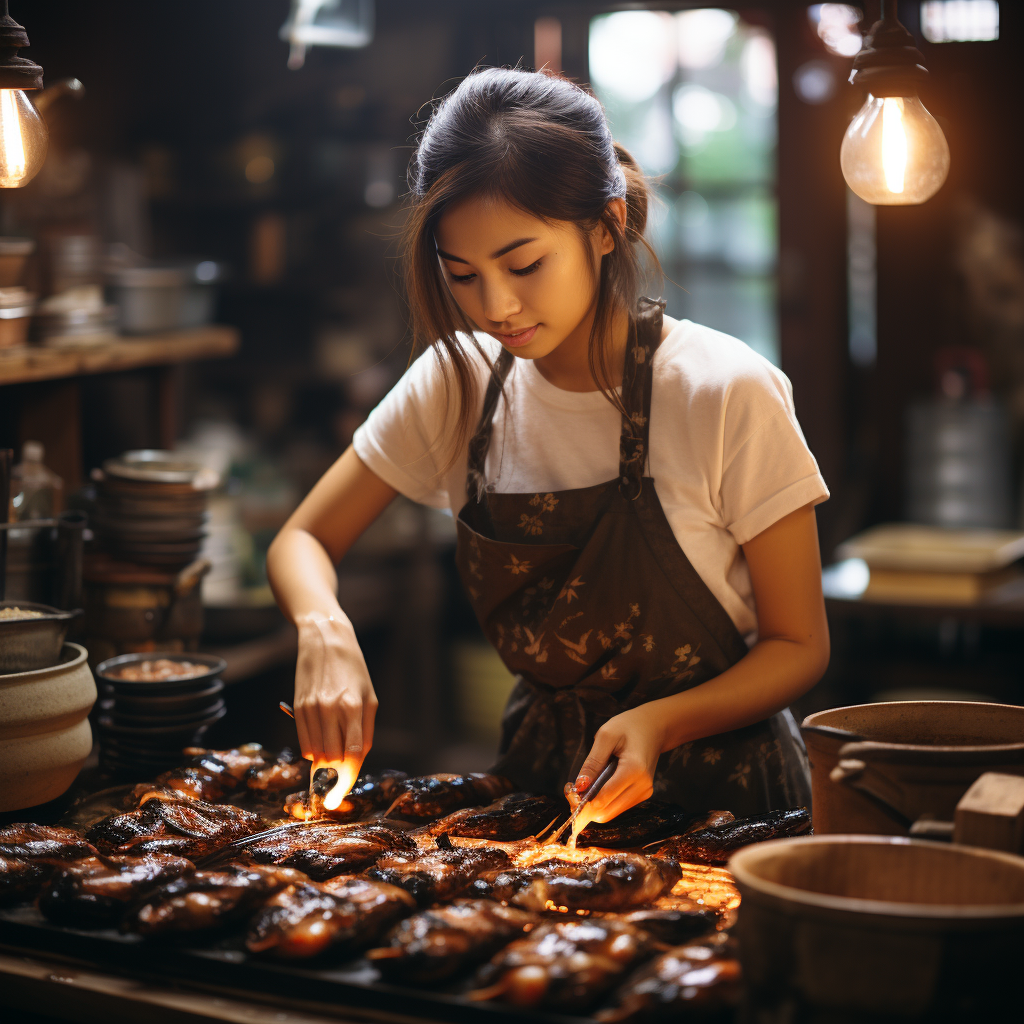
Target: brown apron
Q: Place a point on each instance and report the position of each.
(592, 604)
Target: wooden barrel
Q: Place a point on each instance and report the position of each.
(843, 929)
(913, 760)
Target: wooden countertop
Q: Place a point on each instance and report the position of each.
(35, 363)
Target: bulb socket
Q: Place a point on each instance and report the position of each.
(16, 72)
(890, 64)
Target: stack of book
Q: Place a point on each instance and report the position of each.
(931, 565)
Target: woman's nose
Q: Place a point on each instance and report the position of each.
(500, 302)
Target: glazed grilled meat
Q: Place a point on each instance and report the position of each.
(166, 822)
(715, 845)
(645, 823)
(618, 882)
(566, 965)
(205, 777)
(698, 978)
(26, 841)
(325, 849)
(308, 920)
(515, 816)
(29, 854)
(208, 900)
(433, 796)
(671, 926)
(437, 944)
(370, 793)
(94, 891)
(286, 771)
(441, 874)
(239, 762)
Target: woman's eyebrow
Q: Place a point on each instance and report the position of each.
(504, 250)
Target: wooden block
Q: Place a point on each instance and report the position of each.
(991, 813)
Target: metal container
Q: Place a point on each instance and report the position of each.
(881, 768)
(845, 929)
(28, 644)
(44, 729)
(151, 299)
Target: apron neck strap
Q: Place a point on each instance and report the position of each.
(637, 378)
(645, 337)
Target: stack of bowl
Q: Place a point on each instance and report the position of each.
(151, 508)
(152, 705)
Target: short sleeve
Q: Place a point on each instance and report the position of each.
(769, 470)
(401, 441)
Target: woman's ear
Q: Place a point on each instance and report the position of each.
(606, 241)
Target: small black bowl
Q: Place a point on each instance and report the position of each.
(116, 717)
(161, 703)
(215, 667)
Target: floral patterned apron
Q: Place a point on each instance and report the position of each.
(592, 604)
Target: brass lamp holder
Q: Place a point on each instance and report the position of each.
(16, 72)
(889, 64)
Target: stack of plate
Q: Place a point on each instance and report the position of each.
(151, 508)
(143, 725)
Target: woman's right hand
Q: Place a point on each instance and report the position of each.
(335, 704)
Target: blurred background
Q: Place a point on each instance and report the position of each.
(245, 162)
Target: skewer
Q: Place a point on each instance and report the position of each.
(592, 790)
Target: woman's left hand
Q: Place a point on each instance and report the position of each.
(635, 737)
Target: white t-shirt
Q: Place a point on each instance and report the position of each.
(727, 454)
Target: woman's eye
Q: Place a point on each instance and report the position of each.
(526, 270)
(462, 278)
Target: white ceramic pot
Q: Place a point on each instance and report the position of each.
(44, 729)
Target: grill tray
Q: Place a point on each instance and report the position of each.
(354, 984)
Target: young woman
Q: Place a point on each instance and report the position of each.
(633, 493)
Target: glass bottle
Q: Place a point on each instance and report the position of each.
(36, 492)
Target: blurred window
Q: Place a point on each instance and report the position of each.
(693, 96)
(960, 21)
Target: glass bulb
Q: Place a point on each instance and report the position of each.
(894, 152)
(23, 138)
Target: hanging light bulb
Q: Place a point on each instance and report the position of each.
(23, 134)
(894, 152)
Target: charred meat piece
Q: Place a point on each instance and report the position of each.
(20, 880)
(515, 816)
(700, 977)
(645, 823)
(617, 882)
(370, 793)
(238, 762)
(326, 849)
(27, 841)
(95, 891)
(307, 920)
(208, 900)
(565, 965)
(284, 772)
(671, 926)
(432, 796)
(205, 778)
(715, 845)
(441, 874)
(437, 944)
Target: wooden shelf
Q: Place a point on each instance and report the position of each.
(32, 363)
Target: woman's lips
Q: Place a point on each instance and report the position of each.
(516, 340)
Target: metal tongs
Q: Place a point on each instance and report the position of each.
(588, 794)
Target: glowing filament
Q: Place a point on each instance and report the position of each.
(894, 144)
(10, 135)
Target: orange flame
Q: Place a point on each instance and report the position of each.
(348, 772)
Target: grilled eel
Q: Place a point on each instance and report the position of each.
(436, 944)
(699, 977)
(207, 900)
(239, 762)
(286, 771)
(515, 816)
(370, 793)
(94, 891)
(433, 796)
(441, 874)
(29, 854)
(331, 848)
(670, 925)
(620, 881)
(167, 822)
(307, 920)
(647, 822)
(715, 845)
(565, 965)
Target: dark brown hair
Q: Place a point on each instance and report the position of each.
(542, 144)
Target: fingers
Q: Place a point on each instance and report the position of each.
(333, 748)
(353, 714)
(308, 673)
(636, 792)
(630, 784)
(369, 719)
(603, 748)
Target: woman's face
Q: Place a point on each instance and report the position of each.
(528, 283)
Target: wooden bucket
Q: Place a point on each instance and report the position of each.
(907, 761)
(843, 929)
